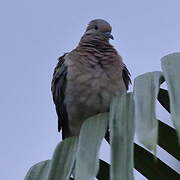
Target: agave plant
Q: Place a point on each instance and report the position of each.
(78, 157)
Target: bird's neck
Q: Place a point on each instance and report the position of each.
(95, 42)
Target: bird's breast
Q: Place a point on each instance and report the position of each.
(92, 87)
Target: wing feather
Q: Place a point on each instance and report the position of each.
(126, 76)
(58, 86)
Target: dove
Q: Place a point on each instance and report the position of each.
(86, 79)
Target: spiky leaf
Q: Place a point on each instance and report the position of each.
(171, 70)
(146, 89)
(38, 171)
(121, 125)
(63, 160)
(91, 135)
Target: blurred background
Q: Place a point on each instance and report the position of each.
(33, 34)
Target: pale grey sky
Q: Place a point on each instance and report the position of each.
(34, 33)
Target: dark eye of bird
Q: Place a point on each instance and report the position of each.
(96, 27)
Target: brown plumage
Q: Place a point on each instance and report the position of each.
(86, 79)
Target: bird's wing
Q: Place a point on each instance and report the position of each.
(58, 86)
(126, 76)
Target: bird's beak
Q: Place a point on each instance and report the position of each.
(108, 35)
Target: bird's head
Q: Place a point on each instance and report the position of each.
(99, 28)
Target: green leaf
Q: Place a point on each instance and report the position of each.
(103, 173)
(63, 159)
(168, 140)
(146, 89)
(91, 135)
(152, 168)
(104, 169)
(121, 125)
(171, 70)
(163, 98)
(38, 171)
(149, 166)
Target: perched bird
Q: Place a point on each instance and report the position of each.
(86, 79)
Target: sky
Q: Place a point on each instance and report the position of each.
(34, 34)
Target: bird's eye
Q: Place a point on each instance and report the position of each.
(96, 27)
